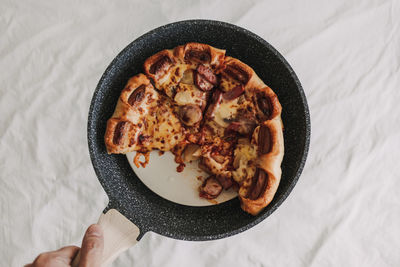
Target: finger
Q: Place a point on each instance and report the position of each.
(61, 257)
(68, 252)
(92, 247)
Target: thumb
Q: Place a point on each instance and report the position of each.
(92, 247)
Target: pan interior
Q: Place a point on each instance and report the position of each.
(161, 177)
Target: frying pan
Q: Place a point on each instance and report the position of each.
(133, 208)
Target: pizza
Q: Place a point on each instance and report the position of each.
(204, 106)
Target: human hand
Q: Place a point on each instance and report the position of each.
(91, 252)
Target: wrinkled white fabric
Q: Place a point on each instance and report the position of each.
(345, 209)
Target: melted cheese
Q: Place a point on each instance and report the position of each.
(167, 131)
(142, 109)
(169, 80)
(189, 94)
(227, 83)
(245, 155)
(156, 124)
(225, 112)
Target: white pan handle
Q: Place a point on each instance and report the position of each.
(119, 235)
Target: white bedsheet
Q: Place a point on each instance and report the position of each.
(345, 209)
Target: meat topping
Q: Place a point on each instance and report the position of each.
(190, 114)
(211, 188)
(264, 140)
(264, 104)
(161, 65)
(137, 95)
(258, 184)
(234, 93)
(204, 78)
(119, 132)
(226, 182)
(202, 83)
(201, 56)
(237, 73)
(207, 74)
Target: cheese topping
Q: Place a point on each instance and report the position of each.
(245, 155)
(227, 83)
(225, 112)
(155, 126)
(189, 94)
(142, 108)
(169, 81)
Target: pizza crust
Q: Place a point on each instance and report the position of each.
(269, 162)
(178, 60)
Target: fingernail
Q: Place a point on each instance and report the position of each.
(95, 230)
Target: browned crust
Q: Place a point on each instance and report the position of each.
(109, 137)
(154, 59)
(215, 57)
(271, 164)
(238, 70)
(271, 161)
(132, 84)
(275, 105)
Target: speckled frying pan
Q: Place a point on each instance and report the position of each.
(139, 205)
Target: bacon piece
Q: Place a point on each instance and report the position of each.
(211, 188)
(234, 93)
(119, 132)
(137, 95)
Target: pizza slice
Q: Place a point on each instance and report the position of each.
(241, 105)
(187, 74)
(257, 166)
(143, 120)
(226, 119)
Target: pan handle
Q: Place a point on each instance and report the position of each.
(119, 235)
